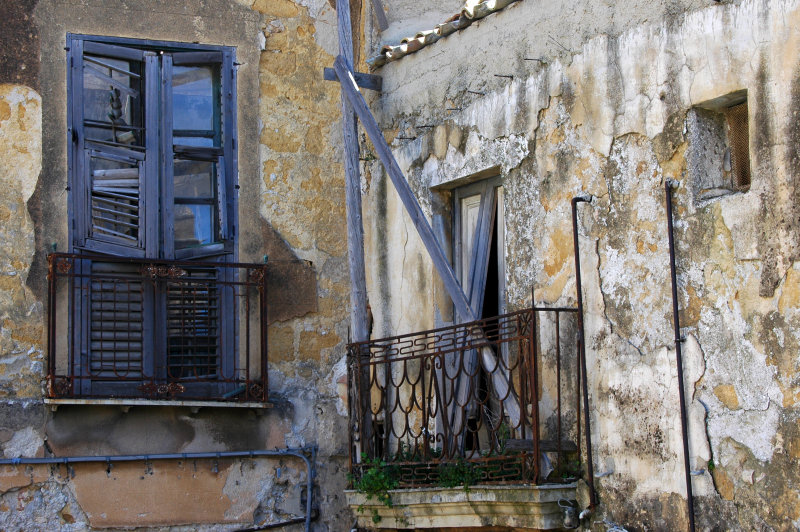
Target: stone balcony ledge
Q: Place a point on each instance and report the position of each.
(520, 507)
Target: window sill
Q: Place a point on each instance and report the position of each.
(520, 506)
(127, 403)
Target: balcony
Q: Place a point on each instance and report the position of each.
(491, 406)
(156, 331)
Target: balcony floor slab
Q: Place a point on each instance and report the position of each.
(520, 507)
(127, 403)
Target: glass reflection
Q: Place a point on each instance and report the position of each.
(194, 179)
(111, 100)
(193, 98)
(194, 225)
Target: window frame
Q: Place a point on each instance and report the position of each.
(156, 228)
(159, 234)
(491, 191)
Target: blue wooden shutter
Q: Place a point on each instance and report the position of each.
(198, 122)
(113, 119)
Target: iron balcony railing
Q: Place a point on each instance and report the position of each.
(476, 402)
(156, 329)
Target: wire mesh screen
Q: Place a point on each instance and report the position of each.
(739, 143)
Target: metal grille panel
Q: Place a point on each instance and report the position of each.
(116, 331)
(462, 402)
(156, 329)
(193, 326)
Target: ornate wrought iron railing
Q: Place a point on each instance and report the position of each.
(156, 329)
(464, 403)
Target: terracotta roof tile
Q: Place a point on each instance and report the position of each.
(472, 11)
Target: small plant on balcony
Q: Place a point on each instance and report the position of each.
(503, 434)
(376, 479)
(460, 473)
(568, 471)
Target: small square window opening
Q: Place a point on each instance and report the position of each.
(719, 146)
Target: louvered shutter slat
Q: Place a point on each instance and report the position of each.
(116, 332)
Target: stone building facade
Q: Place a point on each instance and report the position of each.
(289, 212)
(551, 100)
(560, 99)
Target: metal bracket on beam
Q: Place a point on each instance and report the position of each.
(365, 81)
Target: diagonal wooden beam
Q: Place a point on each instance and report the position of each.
(440, 262)
(380, 14)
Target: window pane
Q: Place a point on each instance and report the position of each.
(112, 100)
(201, 142)
(194, 225)
(194, 179)
(193, 98)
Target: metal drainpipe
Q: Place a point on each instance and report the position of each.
(296, 452)
(579, 289)
(668, 186)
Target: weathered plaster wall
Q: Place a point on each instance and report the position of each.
(291, 210)
(604, 111)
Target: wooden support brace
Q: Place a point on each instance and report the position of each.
(440, 262)
(365, 81)
(355, 228)
(426, 234)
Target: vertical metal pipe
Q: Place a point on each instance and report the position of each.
(51, 329)
(558, 389)
(535, 432)
(264, 332)
(582, 350)
(668, 185)
(578, 398)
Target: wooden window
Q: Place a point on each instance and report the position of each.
(152, 176)
(479, 245)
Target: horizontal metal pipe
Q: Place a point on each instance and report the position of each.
(270, 526)
(260, 453)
